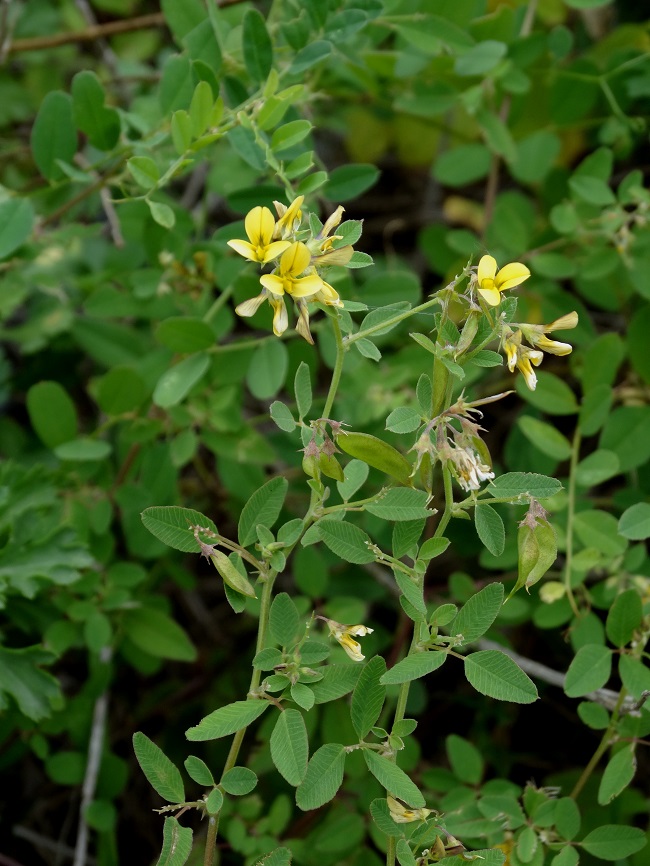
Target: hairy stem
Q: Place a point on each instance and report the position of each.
(338, 366)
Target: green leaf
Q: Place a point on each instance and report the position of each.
(199, 771)
(239, 781)
(626, 434)
(201, 108)
(400, 503)
(53, 135)
(267, 370)
(33, 689)
(120, 390)
(411, 590)
(413, 667)
(635, 522)
(162, 774)
(403, 420)
(281, 414)
(171, 525)
(480, 58)
(52, 413)
(263, 508)
(162, 214)
(394, 780)
(82, 449)
(279, 857)
(290, 746)
(463, 164)
(202, 45)
(496, 675)
(552, 394)
(323, 777)
(597, 467)
(309, 56)
(596, 406)
(181, 128)
(433, 547)
(490, 529)
(618, 774)
(338, 680)
(624, 618)
(599, 529)
(257, 46)
(176, 383)
(566, 857)
(177, 844)
(349, 181)
(156, 633)
(465, 759)
(376, 453)
(381, 816)
(284, 619)
(185, 334)
(545, 437)
(302, 389)
(346, 540)
(92, 117)
(355, 475)
(593, 190)
(368, 696)
(524, 485)
(589, 670)
(214, 802)
(478, 613)
(144, 171)
(614, 841)
(405, 856)
(227, 720)
(16, 222)
(290, 134)
(567, 817)
(634, 674)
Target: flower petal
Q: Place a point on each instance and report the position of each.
(302, 324)
(274, 250)
(244, 249)
(273, 283)
(295, 260)
(305, 287)
(564, 323)
(492, 296)
(251, 306)
(259, 225)
(280, 317)
(511, 275)
(487, 268)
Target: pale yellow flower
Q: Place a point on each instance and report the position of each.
(288, 217)
(536, 334)
(490, 282)
(525, 359)
(403, 814)
(260, 246)
(345, 634)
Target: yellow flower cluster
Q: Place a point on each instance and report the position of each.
(296, 261)
(523, 357)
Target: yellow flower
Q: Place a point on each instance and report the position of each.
(491, 283)
(535, 334)
(289, 217)
(260, 246)
(525, 359)
(287, 276)
(344, 635)
(403, 815)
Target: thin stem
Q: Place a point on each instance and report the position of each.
(338, 366)
(387, 323)
(218, 304)
(575, 454)
(90, 34)
(238, 739)
(602, 747)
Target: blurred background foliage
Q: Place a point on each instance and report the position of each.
(452, 128)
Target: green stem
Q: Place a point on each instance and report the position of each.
(449, 502)
(218, 304)
(238, 739)
(575, 454)
(602, 747)
(361, 335)
(338, 366)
